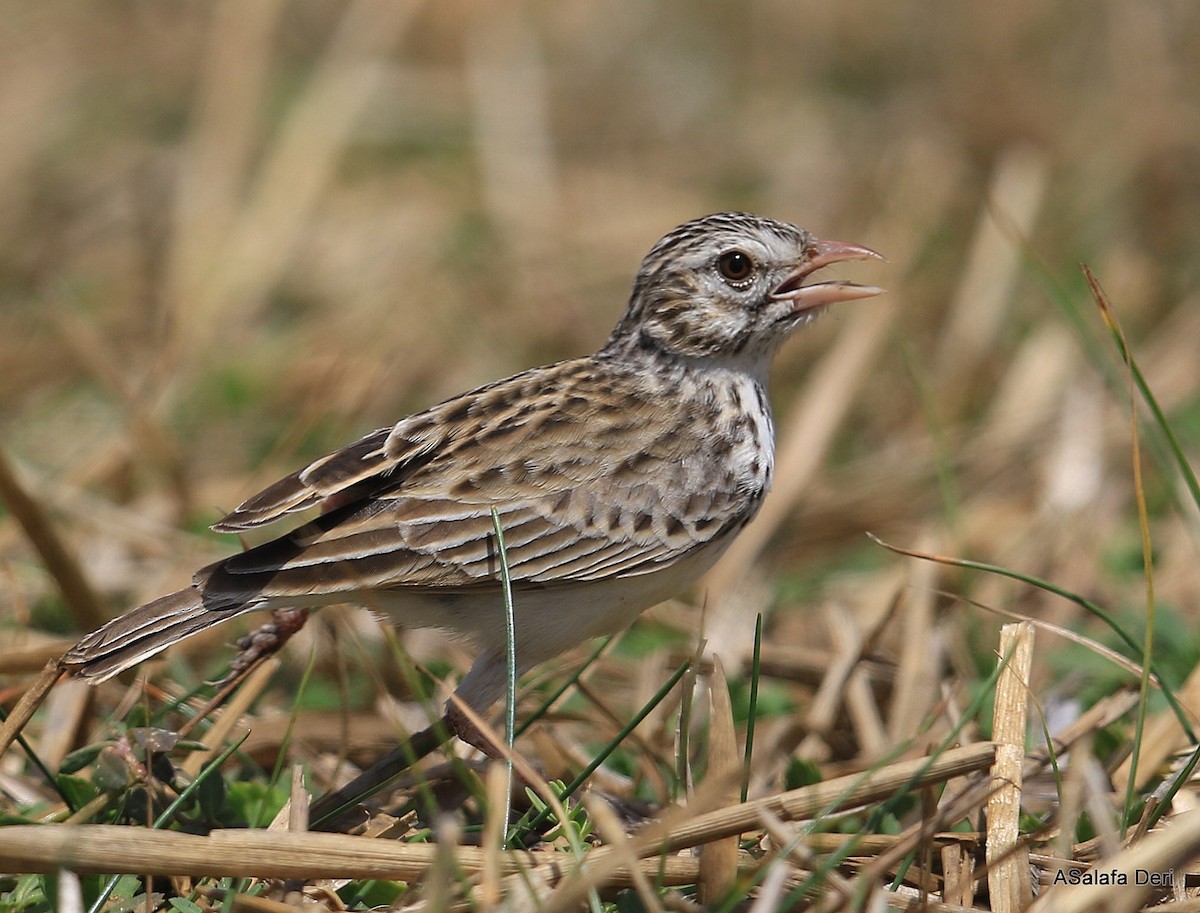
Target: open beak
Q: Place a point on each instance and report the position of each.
(821, 254)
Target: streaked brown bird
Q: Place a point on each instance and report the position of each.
(618, 477)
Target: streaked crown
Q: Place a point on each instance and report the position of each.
(730, 285)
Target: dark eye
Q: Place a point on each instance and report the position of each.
(735, 266)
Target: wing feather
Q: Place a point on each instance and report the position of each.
(584, 492)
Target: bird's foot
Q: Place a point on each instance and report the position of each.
(266, 639)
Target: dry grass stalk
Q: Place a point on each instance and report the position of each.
(497, 784)
(920, 654)
(33, 658)
(823, 712)
(66, 710)
(718, 858)
(1162, 853)
(246, 903)
(1161, 738)
(875, 844)
(238, 853)
(1072, 796)
(841, 793)
(958, 870)
(58, 559)
(299, 802)
(984, 295)
(860, 702)
(241, 701)
(770, 892)
(97, 848)
(28, 705)
(439, 883)
(614, 835)
(1009, 886)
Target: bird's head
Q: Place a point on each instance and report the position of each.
(732, 285)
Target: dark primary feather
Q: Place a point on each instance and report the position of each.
(145, 631)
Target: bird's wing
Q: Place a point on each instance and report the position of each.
(344, 476)
(591, 476)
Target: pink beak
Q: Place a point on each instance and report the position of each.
(821, 254)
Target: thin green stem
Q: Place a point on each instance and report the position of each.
(752, 710)
(510, 668)
(581, 778)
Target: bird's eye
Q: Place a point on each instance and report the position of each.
(735, 266)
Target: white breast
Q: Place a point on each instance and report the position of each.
(752, 431)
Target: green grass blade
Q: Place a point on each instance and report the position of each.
(562, 689)
(1131, 642)
(528, 823)
(1160, 418)
(510, 668)
(752, 709)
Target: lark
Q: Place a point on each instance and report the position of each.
(618, 477)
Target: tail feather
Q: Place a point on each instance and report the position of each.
(144, 632)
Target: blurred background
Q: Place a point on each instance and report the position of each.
(236, 235)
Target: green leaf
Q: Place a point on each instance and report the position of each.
(801, 772)
(83, 757)
(211, 797)
(112, 771)
(76, 790)
(249, 801)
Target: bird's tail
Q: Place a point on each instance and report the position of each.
(144, 632)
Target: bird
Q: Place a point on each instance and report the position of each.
(618, 478)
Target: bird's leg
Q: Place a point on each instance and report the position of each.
(483, 685)
(462, 720)
(340, 810)
(264, 641)
(480, 689)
